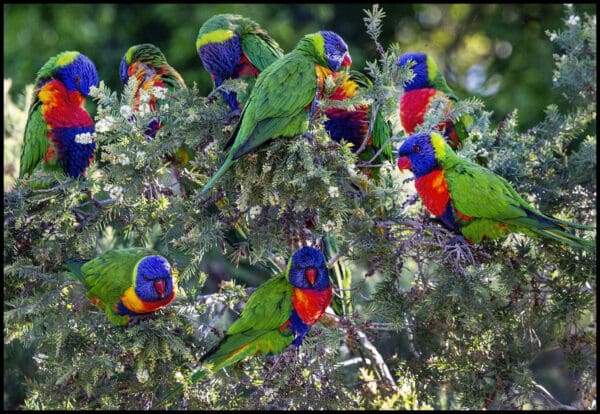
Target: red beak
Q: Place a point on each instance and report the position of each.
(311, 275)
(403, 163)
(159, 285)
(347, 62)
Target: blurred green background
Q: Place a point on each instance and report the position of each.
(499, 52)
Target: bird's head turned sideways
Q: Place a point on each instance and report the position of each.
(308, 269)
(76, 71)
(418, 153)
(336, 51)
(421, 68)
(146, 53)
(154, 278)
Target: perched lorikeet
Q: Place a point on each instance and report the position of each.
(471, 199)
(231, 46)
(149, 66)
(278, 314)
(353, 125)
(126, 283)
(57, 116)
(155, 76)
(428, 83)
(284, 96)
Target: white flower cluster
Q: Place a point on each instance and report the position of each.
(96, 92)
(142, 375)
(115, 191)
(333, 191)
(85, 138)
(572, 21)
(329, 226)
(126, 111)
(255, 211)
(159, 92)
(106, 124)
(123, 159)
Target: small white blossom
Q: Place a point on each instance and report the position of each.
(96, 92)
(179, 377)
(329, 82)
(144, 109)
(126, 111)
(266, 168)
(159, 92)
(164, 107)
(140, 154)
(255, 211)
(123, 159)
(142, 375)
(572, 21)
(333, 191)
(105, 124)
(273, 199)
(553, 36)
(327, 227)
(120, 367)
(85, 138)
(144, 96)
(115, 192)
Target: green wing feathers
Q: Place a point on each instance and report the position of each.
(260, 49)
(35, 143)
(109, 275)
(276, 105)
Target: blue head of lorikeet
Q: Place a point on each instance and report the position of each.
(75, 70)
(420, 69)
(154, 280)
(336, 51)
(309, 270)
(418, 155)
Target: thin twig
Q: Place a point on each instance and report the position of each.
(334, 321)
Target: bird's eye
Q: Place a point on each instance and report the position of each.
(338, 47)
(416, 149)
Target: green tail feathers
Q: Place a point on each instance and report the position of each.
(567, 238)
(218, 174)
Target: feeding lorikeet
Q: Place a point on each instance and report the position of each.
(278, 314)
(126, 283)
(428, 83)
(284, 96)
(57, 116)
(232, 46)
(353, 125)
(473, 200)
(155, 76)
(149, 66)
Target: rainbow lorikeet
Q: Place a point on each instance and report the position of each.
(428, 83)
(126, 283)
(472, 200)
(148, 65)
(57, 118)
(278, 314)
(284, 96)
(231, 46)
(353, 125)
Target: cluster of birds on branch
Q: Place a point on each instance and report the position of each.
(284, 90)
